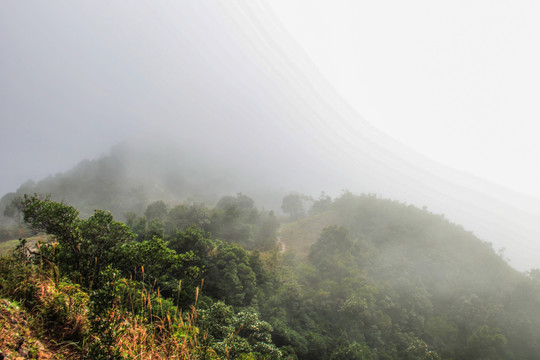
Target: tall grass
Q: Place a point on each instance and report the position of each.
(132, 322)
(158, 331)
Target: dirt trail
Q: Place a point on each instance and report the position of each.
(282, 246)
(17, 339)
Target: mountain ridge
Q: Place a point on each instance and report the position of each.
(143, 172)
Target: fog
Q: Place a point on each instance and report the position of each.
(461, 76)
(226, 85)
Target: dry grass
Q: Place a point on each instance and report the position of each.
(59, 315)
(169, 336)
(135, 337)
(155, 333)
(161, 340)
(298, 236)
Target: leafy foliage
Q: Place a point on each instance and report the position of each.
(238, 335)
(293, 205)
(382, 281)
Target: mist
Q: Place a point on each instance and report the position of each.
(217, 84)
(188, 179)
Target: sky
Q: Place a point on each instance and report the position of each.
(457, 81)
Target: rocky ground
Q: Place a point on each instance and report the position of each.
(18, 337)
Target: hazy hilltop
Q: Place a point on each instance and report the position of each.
(143, 170)
(246, 110)
(133, 174)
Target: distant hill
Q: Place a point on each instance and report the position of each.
(386, 274)
(143, 170)
(402, 238)
(132, 175)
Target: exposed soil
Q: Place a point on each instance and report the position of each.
(17, 338)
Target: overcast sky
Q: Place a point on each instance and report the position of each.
(456, 81)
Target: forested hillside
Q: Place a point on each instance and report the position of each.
(137, 172)
(133, 174)
(357, 277)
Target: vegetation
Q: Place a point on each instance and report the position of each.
(362, 278)
(133, 175)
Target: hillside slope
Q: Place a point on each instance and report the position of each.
(386, 274)
(361, 278)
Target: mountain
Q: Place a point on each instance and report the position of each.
(233, 97)
(136, 173)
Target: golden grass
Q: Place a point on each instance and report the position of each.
(60, 313)
(163, 336)
(160, 340)
(298, 236)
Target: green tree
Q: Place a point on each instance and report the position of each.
(485, 344)
(101, 236)
(15, 209)
(534, 274)
(230, 224)
(239, 335)
(229, 275)
(160, 267)
(293, 205)
(183, 216)
(62, 221)
(417, 349)
(156, 210)
(154, 228)
(266, 230)
(192, 239)
(85, 247)
(333, 253)
(131, 218)
(354, 351)
(322, 204)
(241, 201)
